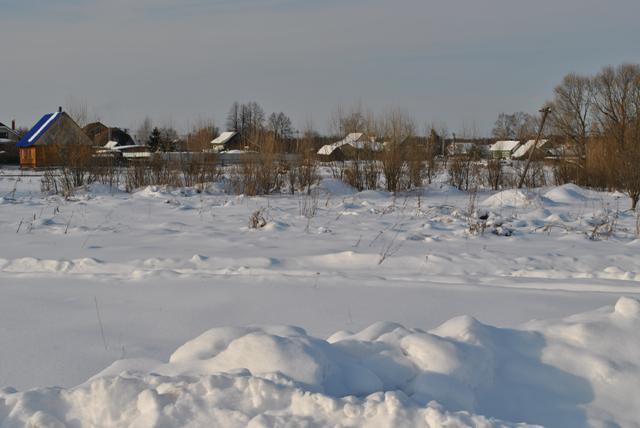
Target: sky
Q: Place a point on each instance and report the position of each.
(453, 62)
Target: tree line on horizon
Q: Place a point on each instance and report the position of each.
(596, 118)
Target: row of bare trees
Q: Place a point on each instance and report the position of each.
(398, 158)
(80, 166)
(265, 171)
(254, 126)
(597, 117)
(600, 117)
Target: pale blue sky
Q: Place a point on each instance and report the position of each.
(456, 61)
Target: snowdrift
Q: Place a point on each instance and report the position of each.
(579, 371)
(568, 194)
(512, 198)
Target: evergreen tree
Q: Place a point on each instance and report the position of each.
(168, 139)
(154, 140)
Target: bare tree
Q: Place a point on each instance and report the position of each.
(280, 125)
(233, 117)
(252, 117)
(613, 98)
(494, 173)
(515, 126)
(396, 128)
(356, 119)
(248, 120)
(307, 166)
(471, 131)
(201, 135)
(616, 101)
(571, 110)
(144, 130)
(434, 144)
(78, 110)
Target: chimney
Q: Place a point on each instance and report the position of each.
(59, 109)
(13, 125)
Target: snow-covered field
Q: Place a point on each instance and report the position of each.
(404, 317)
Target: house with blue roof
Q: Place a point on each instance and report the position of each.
(43, 145)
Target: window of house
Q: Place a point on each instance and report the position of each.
(4, 134)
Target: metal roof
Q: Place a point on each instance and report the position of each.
(504, 146)
(9, 129)
(39, 129)
(224, 137)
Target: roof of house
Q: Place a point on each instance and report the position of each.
(327, 149)
(352, 137)
(132, 147)
(94, 128)
(504, 146)
(524, 149)
(39, 129)
(101, 134)
(16, 136)
(111, 145)
(224, 137)
(118, 135)
(355, 139)
(8, 128)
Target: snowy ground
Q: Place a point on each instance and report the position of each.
(113, 276)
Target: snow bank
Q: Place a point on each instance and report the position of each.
(567, 194)
(582, 370)
(335, 187)
(622, 268)
(512, 198)
(222, 400)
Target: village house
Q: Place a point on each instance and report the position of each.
(114, 142)
(41, 146)
(8, 138)
(101, 135)
(129, 152)
(524, 151)
(9, 135)
(348, 147)
(503, 149)
(228, 140)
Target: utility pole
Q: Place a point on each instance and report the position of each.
(545, 112)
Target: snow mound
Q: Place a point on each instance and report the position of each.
(222, 400)
(628, 308)
(97, 189)
(569, 372)
(512, 198)
(335, 187)
(567, 194)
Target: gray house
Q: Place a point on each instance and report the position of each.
(8, 135)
